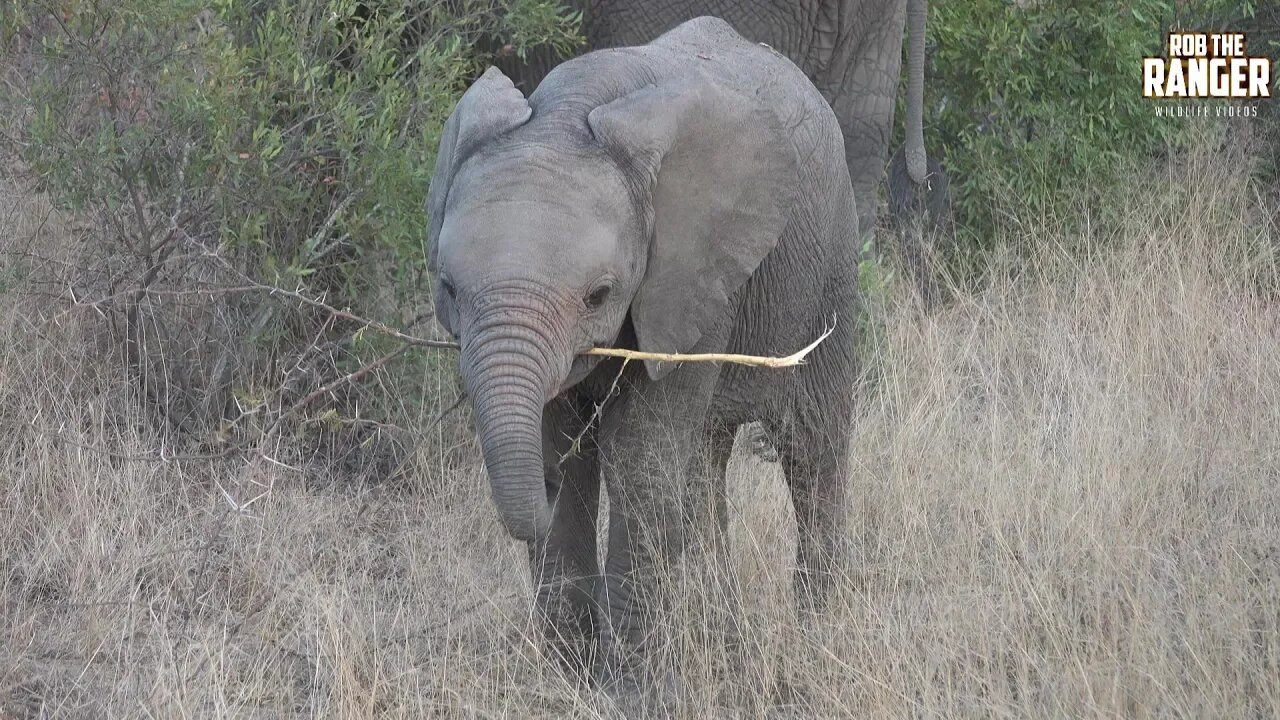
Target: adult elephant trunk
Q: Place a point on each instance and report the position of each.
(917, 165)
(508, 374)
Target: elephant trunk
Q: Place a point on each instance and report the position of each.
(508, 372)
(917, 165)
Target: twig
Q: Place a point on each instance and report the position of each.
(445, 413)
(346, 314)
(796, 358)
(576, 445)
(765, 361)
(351, 377)
(272, 290)
(457, 403)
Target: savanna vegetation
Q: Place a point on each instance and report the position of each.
(226, 491)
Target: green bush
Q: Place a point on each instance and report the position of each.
(223, 150)
(1038, 109)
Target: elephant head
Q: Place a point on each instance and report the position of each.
(551, 229)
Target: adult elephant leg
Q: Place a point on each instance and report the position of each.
(648, 454)
(564, 566)
(861, 83)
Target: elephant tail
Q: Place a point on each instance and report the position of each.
(917, 164)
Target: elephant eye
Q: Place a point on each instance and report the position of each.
(596, 298)
(448, 288)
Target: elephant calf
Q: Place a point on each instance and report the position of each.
(689, 195)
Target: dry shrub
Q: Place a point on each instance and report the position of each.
(1067, 495)
(244, 177)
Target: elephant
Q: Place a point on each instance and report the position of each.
(685, 196)
(850, 49)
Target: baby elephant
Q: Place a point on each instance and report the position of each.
(686, 196)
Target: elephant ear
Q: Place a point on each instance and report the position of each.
(489, 108)
(723, 173)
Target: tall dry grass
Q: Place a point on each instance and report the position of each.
(1066, 504)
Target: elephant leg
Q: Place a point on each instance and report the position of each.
(817, 478)
(814, 457)
(708, 500)
(564, 566)
(709, 503)
(648, 454)
(861, 84)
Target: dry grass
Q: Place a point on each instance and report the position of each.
(1067, 503)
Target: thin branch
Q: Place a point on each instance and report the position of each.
(765, 361)
(576, 446)
(313, 243)
(274, 291)
(445, 413)
(346, 314)
(796, 358)
(351, 377)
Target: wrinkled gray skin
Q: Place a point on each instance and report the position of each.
(689, 195)
(850, 49)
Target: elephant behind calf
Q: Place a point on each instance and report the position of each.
(689, 195)
(850, 49)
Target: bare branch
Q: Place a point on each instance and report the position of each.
(796, 358)
(764, 361)
(457, 403)
(351, 377)
(576, 446)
